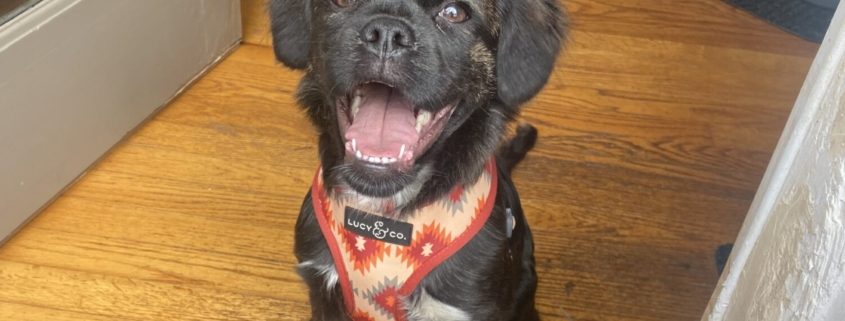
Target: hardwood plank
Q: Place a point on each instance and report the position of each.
(655, 129)
(108, 297)
(713, 23)
(660, 106)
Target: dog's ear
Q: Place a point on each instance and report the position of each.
(290, 25)
(529, 41)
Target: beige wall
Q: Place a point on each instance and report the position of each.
(76, 76)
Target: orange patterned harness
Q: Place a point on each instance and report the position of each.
(381, 261)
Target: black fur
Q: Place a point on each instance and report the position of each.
(523, 64)
(487, 65)
(515, 150)
(291, 31)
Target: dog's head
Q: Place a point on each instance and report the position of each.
(414, 93)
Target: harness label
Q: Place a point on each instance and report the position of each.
(377, 227)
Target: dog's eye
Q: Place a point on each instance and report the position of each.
(454, 12)
(342, 3)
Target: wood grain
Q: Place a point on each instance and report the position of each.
(256, 22)
(656, 128)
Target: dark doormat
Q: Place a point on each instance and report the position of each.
(808, 19)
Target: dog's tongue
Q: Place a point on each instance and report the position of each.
(385, 121)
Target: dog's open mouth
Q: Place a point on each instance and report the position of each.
(383, 129)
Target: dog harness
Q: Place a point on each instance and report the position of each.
(380, 261)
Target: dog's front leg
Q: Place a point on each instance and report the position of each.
(317, 267)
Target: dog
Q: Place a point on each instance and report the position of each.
(411, 100)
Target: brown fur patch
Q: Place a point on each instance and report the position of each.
(482, 58)
(494, 17)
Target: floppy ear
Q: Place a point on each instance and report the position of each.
(530, 39)
(290, 25)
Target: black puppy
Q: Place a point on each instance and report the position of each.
(411, 99)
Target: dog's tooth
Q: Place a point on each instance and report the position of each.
(354, 145)
(385, 160)
(391, 160)
(426, 116)
(356, 103)
(422, 119)
(401, 151)
(358, 154)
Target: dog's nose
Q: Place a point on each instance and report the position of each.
(387, 37)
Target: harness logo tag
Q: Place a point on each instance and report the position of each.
(377, 227)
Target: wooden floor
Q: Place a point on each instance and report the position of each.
(655, 130)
